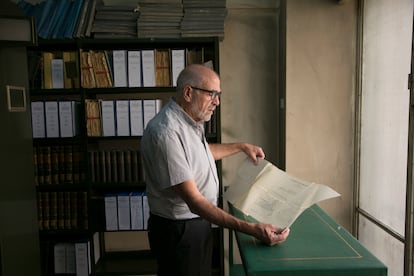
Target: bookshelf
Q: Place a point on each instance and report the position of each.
(98, 158)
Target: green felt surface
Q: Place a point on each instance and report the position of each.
(317, 245)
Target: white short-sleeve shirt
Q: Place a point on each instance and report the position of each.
(174, 149)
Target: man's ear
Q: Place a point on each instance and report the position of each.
(187, 93)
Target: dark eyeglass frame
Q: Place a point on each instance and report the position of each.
(213, 93)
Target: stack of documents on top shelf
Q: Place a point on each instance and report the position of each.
(159, 18)
(115, 21)
(270, 195)
(203, 18)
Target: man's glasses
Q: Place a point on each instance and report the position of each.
(213, 93)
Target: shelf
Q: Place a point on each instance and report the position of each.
(94, 184)
(64, 234)
(127, 263)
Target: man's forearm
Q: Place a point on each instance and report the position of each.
(221, 151)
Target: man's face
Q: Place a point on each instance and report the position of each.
(203, 105)
(204, 102)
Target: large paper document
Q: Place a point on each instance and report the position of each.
(270, 195)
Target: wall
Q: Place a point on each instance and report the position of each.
(320, 64)
(321, 39)
(249, 69)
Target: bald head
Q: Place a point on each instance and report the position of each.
(195, 75)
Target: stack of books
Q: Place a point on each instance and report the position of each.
(115, 21)
(159, 18)
(55, 19)
(203, 18)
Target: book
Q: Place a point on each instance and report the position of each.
(68, 163)
(150, 109)
(135, 169)
(59, 252)
(52, 119)
(127, 165)
(137, 214)
(145, 210)
(47, 14)
(61, 210)
(70, 263)
(122, 118)
(84, 209)
(47, 69)
(63, 14)
(108, 117)
(83, 266)
(103, 78)
(54, 160)
(162, 67)
(53, 208)
(71, 67)
(114, 165)
(68, 209)
(270, 195)
(134, 68)
(93, 118)
(87, 73)
(148, 68)
(83, 11)
(78, 14)
(124, 211)
(96, 247)
(46, 165)
(38, 119)
(108, 167)
(120, 161)
(136, 117)
(177, 64)
(57, 73)
(195, 55)
(68, 118)
(111, 212)
(74, 208)
(46, 210)
(120, 68)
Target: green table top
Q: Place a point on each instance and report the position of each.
(317, 245)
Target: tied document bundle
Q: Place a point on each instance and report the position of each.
(270, 195)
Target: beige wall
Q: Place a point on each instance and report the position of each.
(321, 39)
(320, 58)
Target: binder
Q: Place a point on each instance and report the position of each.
(111, 212)
(134, 68)
(58, 80)
(67, 118)
(122, 118)
(38, 119)
(52, 119)
(136, 117)
(47, 70)
(177, 63)
(83, 265)
(150, 109)
(59, 251)
(145, 210)
(120, 68)
(148, 68)
(70, 258)
(124, 213)
(137, 215)
(107, 117)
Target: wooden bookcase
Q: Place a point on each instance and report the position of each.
(59, 183)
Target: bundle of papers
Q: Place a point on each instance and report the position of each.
(270, 195)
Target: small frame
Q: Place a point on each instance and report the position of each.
(18, 30)
(16, 98)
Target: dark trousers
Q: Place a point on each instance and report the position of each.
(181, 247)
